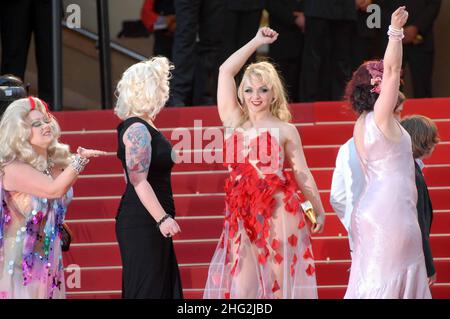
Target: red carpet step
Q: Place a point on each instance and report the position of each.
(318, 134)
(203, 205)
(323, 157)
(324, 248)
(332, 274)
(213, 182)
(199, 199)
(327, 274)
(206, 227)
(436, 108)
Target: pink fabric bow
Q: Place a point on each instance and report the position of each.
(376, 73)
(376, 82)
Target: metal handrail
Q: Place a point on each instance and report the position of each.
(104, 44)
(117, 47)
(57, 95)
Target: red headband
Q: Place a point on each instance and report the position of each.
(33, 105)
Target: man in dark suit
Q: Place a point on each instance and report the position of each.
(364, 42)
(419, 40)
(242, 20)
(326, 66)
(424, 138)
(425, 216)
(158, 16)
(287, 18)
(194, 80)
(19, 20)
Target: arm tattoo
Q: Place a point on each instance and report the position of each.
(139, 151)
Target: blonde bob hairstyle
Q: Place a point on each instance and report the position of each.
(143, 89)
(267, 74)
(15, 136)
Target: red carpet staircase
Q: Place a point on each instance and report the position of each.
(198, 189)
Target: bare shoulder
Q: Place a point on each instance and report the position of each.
(289, 127)
(137, 134)
(138, 126)
(16, 170)
(15, 165)
(289, 131)
(359, 125)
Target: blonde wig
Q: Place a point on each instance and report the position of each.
(266, 73)
(143, 89)
(15, 134)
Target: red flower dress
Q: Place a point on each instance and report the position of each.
(265, 247)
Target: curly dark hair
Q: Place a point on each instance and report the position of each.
(359, 89)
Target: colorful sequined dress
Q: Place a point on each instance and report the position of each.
(265, 247)
(31, 265)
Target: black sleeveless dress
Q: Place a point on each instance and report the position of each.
(150, 268)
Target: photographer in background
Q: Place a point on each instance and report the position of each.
(158, 16)
(19, 21)
(11, 89)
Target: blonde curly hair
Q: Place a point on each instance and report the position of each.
(266, 73)
(143, 89)
(15, 136)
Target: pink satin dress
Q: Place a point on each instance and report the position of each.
(388, 260)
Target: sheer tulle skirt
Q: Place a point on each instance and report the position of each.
(283, 269)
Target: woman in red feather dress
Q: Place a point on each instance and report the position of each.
(265, 247)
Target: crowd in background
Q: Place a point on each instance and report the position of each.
(324, 41)
(321, 42)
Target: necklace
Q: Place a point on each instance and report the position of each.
(48, 170)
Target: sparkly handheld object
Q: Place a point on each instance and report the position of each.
(309, 211)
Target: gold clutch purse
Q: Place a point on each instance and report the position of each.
(309, 211)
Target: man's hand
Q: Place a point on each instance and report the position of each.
(411, 33)
(171, 23)
(300, 20)
(363, 4)
(432, 280)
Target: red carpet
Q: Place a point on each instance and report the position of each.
(198, 190)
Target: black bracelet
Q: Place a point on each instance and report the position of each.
(162, 220)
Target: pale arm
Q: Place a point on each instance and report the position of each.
(227, 102)
(392, 65)
(305, 180)
(24, 178)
